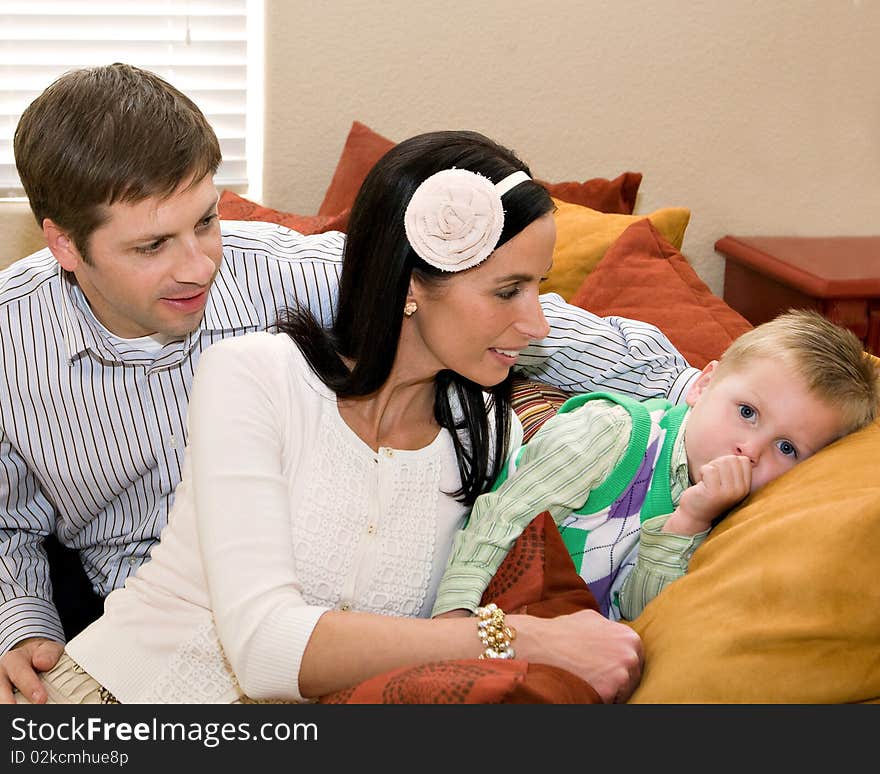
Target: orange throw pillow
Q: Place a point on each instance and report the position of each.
(644, 277)
(536, 577)
(364, 147)
(235, 207)
(615, 197)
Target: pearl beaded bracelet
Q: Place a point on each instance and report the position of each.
(493, 633)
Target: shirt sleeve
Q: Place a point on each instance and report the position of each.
(26, 518)
(242, 401)
(663, 557)
(587, 353)
(566, 459)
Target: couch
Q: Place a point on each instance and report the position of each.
(780, 603)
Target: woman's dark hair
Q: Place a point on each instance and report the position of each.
(378, 263)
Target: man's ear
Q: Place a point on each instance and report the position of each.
(699, 385)
(61, 245)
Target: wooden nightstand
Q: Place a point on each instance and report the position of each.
(837, 276)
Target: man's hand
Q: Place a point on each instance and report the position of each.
(723, 483)
(19, 667)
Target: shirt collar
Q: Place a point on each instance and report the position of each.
(80, 329)
(679, 478)
(227, 308)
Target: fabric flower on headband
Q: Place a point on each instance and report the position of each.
(455, 217)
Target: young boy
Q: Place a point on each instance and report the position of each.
(635, 487)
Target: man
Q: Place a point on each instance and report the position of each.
(100, 334)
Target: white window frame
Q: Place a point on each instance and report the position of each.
(197, 45)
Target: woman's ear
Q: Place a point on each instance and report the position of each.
(699, 385)
(59, 242)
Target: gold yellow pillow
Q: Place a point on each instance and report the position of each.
(583, 235)
(781, 603)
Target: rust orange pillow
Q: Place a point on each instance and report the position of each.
(644, 277)
(617, 196)
(235, 207)
(537, 577)
(364, 147)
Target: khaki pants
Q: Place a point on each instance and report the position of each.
(68, 683)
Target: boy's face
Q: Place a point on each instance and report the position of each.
(762, 411)
(151, 263)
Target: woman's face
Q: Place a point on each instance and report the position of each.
(477, 321)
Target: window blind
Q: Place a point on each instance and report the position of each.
(199, 46)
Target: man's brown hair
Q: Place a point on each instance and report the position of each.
(102, 135)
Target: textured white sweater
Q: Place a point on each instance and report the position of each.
(282, 513)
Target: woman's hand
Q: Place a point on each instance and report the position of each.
(608, 655)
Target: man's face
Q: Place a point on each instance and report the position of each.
(152, 263)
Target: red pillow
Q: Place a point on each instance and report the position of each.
(235, 207)
(644, 277)
(536, 577)
(364, 147)
(617, 196)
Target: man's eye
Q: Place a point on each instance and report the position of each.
(153, 247)
(508, 293)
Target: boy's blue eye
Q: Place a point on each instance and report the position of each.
(746, 412)
(787, 448)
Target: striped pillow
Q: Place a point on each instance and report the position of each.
(534, 403)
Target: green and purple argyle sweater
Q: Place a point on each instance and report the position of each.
(602, 536)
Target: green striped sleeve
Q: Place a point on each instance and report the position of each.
(663, 557)
(569, 456)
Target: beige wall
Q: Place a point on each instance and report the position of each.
(761, 117)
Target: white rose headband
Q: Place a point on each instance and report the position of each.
(455, 217)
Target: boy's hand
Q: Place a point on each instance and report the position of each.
(723, 483)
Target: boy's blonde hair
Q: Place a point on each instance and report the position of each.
(829, 358)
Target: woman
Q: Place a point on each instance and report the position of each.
(328, 470)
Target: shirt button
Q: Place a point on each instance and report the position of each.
(371, 529)
(172, 442)
(389, 452)
(345, 606)
(132, 560)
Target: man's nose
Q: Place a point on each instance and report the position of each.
(195, 266)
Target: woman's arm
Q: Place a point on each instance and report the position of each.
(347, 648)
